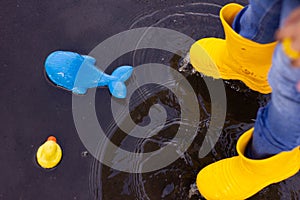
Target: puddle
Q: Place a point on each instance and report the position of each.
(34, 108)
(176, 181)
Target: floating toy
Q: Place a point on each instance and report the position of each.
(62, 68)
(49, 154)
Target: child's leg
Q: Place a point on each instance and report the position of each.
(277, 127)
(259, 20)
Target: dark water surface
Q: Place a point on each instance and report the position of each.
(32, 109)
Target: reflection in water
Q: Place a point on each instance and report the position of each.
(176, 180)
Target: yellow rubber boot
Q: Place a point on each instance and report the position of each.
(235, 57)
(239, 177)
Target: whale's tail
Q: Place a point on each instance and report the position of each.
(117, 86)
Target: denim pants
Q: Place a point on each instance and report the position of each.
(277, 126)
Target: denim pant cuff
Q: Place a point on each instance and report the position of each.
(277, 126)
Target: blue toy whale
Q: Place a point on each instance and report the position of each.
(62, 68)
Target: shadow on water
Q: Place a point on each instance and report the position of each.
(176, 180)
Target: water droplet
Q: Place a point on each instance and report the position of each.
(84, 154)
(61, 74)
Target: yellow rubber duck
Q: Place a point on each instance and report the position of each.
(49, 154)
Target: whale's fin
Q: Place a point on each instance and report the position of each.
(117, 86)
(78, 90)
(89, 59)
(117, 89)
